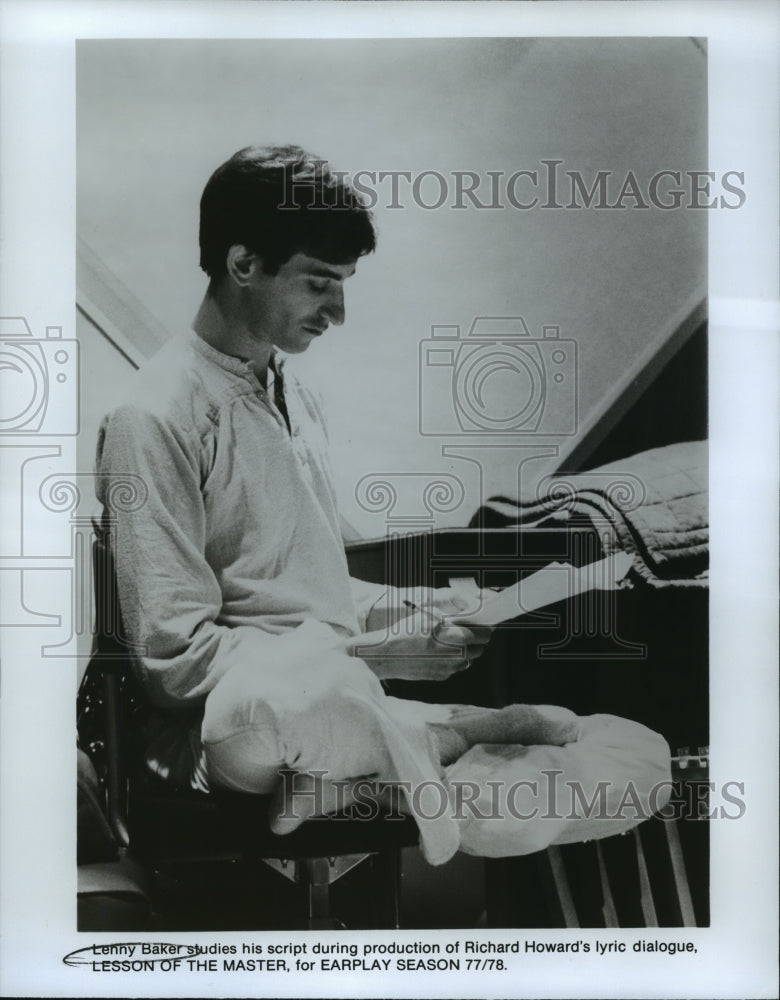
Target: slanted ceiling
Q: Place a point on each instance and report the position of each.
(156, 117)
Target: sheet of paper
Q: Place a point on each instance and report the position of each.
(554, 583)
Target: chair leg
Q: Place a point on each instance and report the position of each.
(386, 872)
(315, 875)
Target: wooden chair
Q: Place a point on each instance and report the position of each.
(173, 829)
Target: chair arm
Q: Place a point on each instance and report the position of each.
(99, 725)
(116, 778)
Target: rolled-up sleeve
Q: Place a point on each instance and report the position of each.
(169, 596)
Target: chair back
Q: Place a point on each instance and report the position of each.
(109, 693)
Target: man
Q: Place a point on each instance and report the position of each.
(238, 541)
(255, 648)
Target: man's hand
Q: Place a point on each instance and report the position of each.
(391, 609)
(421, 647)
(448, 601)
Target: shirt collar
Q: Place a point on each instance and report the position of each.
(238, 366)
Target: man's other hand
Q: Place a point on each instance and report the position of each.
(421, 647)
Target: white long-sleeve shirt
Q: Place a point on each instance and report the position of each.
(237, 540)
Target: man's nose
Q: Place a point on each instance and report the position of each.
(334, 307)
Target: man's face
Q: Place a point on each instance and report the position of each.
(295, 306)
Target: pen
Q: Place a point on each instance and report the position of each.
(433, 615)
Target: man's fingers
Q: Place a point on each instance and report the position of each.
(455, 603)
(460, 635)
(481, 633)
(452, 635)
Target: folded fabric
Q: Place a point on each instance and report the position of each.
(653, 504)
(319, 713)
(512, 799)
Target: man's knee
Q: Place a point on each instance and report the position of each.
(258, 715)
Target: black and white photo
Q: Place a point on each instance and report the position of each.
(371, 499)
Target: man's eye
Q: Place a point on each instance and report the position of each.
(318, 284)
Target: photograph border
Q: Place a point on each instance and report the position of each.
(736, 955)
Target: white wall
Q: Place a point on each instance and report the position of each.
(155, 118)
(103, 371)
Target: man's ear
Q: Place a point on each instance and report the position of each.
(241, 264)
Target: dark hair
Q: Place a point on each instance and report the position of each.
(277, 201)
